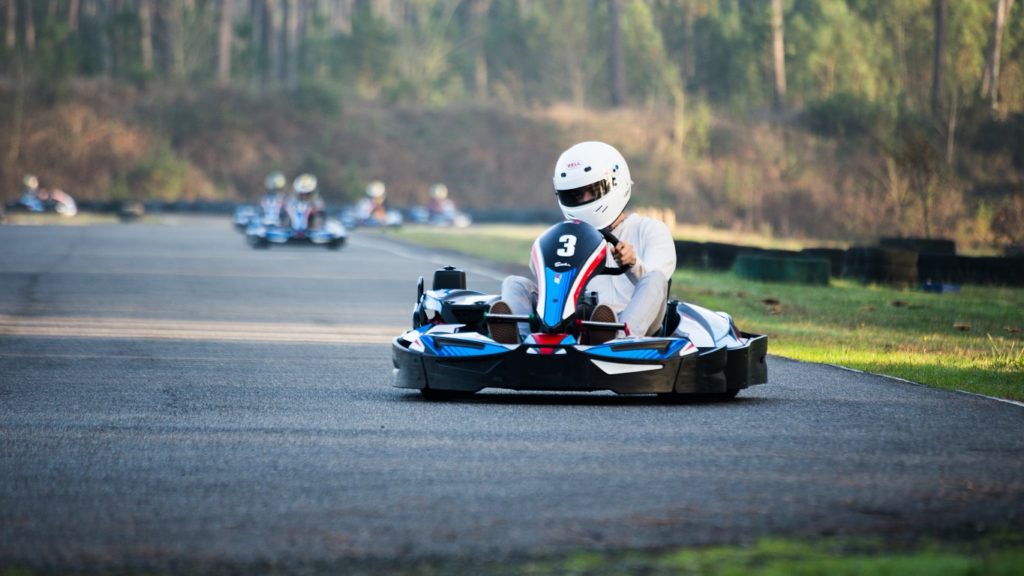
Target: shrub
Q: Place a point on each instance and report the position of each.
(847, 115)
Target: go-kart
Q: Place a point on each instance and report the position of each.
(449, 352)
(363, 216)
(42, 200)
(267, 213)
(444, 218)
(244, 216)
(331, 233)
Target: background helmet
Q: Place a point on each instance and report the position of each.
(375, 190)
(304, 184)
(597, 168)
(275, 181)
(30, 181)
(438, 191)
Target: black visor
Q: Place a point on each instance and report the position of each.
(579, 196)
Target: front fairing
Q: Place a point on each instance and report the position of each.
(564, 260)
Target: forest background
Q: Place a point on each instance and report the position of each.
(839, 120)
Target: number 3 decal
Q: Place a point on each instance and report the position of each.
(568, 246)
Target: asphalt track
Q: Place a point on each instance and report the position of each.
(171, 398)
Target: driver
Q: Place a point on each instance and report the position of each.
(31, 195)
(304, 188)
(275, 192)
(592, 184)
(371, 208)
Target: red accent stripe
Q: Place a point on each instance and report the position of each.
(585, 277)
(548, 339)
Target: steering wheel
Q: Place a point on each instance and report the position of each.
(611, 239)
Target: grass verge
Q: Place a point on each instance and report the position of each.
(972, 340)
(1003, 554)
(993, 555)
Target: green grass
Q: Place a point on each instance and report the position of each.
(774, 557)
(53, 219)
(993, 555)
(972, 340)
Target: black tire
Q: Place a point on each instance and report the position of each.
(431, 394)
(673, 398)
(783, 268)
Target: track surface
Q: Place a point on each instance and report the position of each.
(170, 397)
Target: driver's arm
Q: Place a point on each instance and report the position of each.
(655, 251)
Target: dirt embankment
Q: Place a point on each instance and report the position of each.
(100, 142)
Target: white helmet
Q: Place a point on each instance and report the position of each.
(275, 181)
(304, 184)
(439, 191)
(375, 189)
(31, 182)
(599, 169)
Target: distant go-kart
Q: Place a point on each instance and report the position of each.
(696, 354)
(331, 234)
(267, 213)
(42, 200)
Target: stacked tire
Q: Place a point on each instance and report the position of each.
(767, 267)
(874, 265)
(689, 254)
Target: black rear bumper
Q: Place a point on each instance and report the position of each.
(711, 371)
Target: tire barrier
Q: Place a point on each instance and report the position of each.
(689, 254)
(718, 256)
(783, 268)
(834, 256)
(947, 269)
(895, 263)
(920, 245)
(871, 264)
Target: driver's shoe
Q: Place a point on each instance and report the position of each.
(503, 332)
(602, 313)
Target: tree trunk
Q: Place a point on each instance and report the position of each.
(18, 112)
(73, 8)
(225, 39)
(940, 49)
(341, 17)
(478, 31)
(106, 37)
(256, 42)
(273, 16)
(11, 37)
(954, 111)
(30, 26)
(292, 43)
(616, 57)
(778, 55)
(146, 33)
(174, 42)
(1003, 8)
(689, 64)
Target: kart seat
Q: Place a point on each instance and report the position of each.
(670, 321)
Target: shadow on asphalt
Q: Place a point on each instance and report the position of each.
(580, 399)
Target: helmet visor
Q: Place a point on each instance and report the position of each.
(583, 194)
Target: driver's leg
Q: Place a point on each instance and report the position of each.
(519, 294)
(646, 308)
